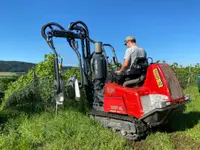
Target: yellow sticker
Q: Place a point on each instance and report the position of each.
(158, 79)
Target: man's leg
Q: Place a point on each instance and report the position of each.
(113, 77)
(110, 76)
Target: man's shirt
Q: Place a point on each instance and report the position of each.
(132, 53)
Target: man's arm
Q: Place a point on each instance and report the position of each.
(124, 65)
(126, 61)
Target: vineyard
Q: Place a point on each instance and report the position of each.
(28, 121)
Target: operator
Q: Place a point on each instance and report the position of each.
(132, 52)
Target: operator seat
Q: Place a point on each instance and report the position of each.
(136, 75)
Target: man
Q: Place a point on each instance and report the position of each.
(132, 52)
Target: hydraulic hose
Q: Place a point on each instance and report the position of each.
(105, 55)
(50, 24)
(51, 45)
(49, 40)
(113, 50)
(84, 30)
(79, 58)
(74, 24)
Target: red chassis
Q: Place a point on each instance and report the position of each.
(160, 93)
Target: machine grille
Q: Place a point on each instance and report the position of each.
(172, 81)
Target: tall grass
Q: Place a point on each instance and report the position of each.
(69, 130)
(72, 129)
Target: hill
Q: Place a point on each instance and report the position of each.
(18, 66)
(15, 66)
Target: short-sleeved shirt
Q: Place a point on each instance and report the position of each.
(132, 53)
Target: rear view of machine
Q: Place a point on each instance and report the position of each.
(131, 104)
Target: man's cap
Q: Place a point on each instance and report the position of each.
(128, 38)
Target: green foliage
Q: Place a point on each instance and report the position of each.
(28, 89)
(73, 72)
(187, 75)
(34, 91)
(4, 82)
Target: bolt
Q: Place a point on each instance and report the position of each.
(123, 132)
(114, 130)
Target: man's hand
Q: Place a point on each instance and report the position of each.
(124, 66)
(118, 71)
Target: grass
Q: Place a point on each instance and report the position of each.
(73, 130)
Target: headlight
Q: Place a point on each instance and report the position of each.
(187, 97)
(153, 101)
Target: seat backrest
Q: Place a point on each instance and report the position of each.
(139, 66)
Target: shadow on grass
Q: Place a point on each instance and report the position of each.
(180, 121)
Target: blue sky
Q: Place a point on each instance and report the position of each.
(166, 29)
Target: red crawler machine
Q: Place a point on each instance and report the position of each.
(148, 105)
(130, 104)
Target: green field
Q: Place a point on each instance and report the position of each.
(7, 74)
(73, 130)
(6, 78)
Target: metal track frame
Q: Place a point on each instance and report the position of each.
(129, 127)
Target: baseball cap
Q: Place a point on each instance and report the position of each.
(128, 38)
